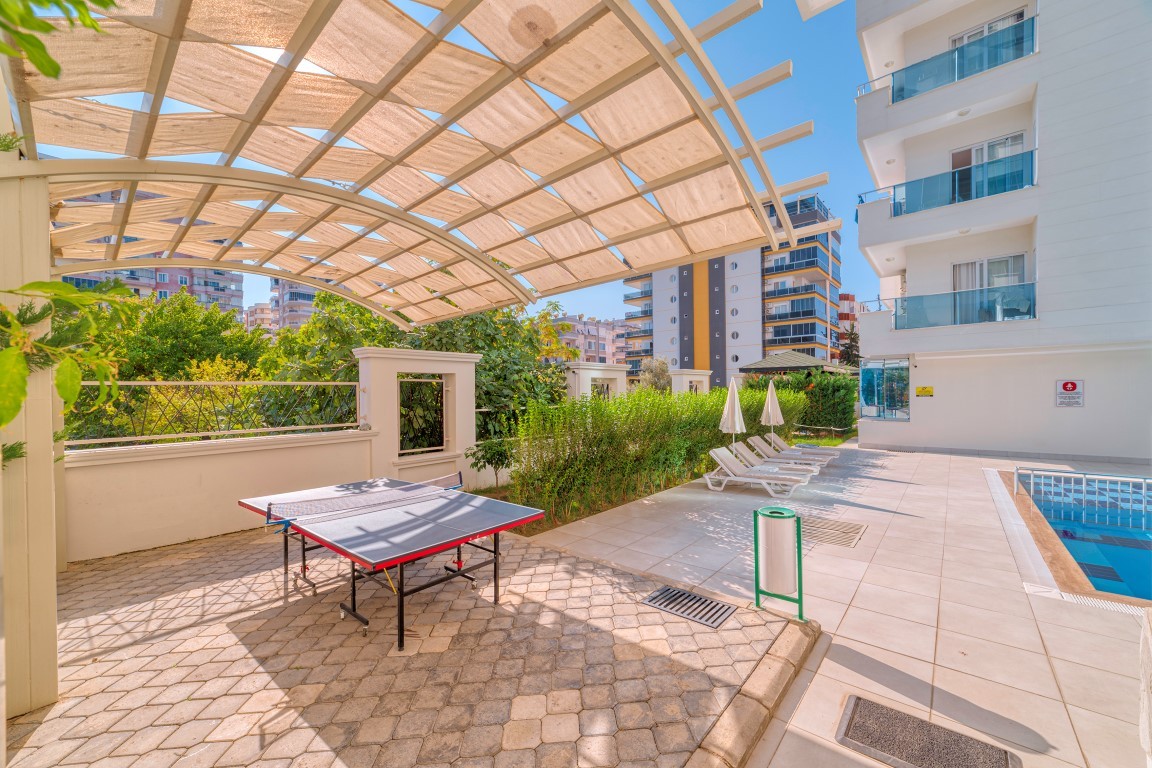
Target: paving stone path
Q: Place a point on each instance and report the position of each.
(199, 654)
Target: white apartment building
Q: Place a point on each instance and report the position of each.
(1011, 145)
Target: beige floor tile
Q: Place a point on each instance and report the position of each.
(905, 581)
(1088, 618)
(999, 627)
(879, 671)
(1003, 664)
(989, 598)
(900, 635)
(1098, 691)
(1106, 741)
(1090, 649)
(1006, 714)
(928, 565)
(894, 602)
(822, 706)
(829, 587)
(798, 748)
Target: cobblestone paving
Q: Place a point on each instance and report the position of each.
(200, 654)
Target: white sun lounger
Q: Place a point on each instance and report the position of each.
(750, 459)
(778, 441)
(730, 470)
(767, 451)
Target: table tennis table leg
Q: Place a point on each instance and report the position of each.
(400, 606)
(285, 536)
(495, 568)
(350, 608)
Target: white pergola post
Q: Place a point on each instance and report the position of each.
(380, 372)
(28, 555)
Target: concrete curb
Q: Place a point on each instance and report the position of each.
(730, 740)
(738, 729)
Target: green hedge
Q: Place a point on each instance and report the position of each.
(831, 396)
(586, 455)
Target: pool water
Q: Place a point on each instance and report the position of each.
(1106, 526)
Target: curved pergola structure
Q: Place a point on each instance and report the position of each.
(486, 153)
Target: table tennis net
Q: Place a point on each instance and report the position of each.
(364, 502)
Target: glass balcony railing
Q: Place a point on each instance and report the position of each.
(637, 332)
(788, 266)
(981, 305)
(995, 177)
(638, 313)
(818, 312)
(780, 341)
(795, 290)
(642, 352)
(638, 294)
(992, 50)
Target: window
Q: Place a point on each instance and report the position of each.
(884, 389)
(162, 294)
(735, 289)
(986, 29)
(735, 335)
(673, 319)
(734, 266)
(673, 299)
(735, 358)
(733, 312)
(182, 279)
(161, 277)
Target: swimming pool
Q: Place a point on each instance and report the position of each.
(1104, 523)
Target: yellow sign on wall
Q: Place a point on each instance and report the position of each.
(924, 391)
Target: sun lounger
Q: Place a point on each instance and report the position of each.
(779, 443)
(750, 459)
(767, 451)
(775, 483)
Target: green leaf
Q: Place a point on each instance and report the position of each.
(13, 383)
(68, 381)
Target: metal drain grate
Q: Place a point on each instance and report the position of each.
(818, 530)
(905, 741)
(689, 605)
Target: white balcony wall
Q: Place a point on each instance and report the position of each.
(934, 37)
(931, 153)
(126, 499)
(1006, 405)
(930, 264)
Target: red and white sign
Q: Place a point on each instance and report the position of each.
(1070, 393)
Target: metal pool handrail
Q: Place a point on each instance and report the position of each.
(1084, 476)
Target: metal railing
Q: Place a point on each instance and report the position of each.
(637, 332)
(638, 294)
(638, 313)
(993, 50)
(1086, 497)
(995, 177)
(146, 412)
(795, 290)
(979, 305)
(795, 314)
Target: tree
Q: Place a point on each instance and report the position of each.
(510, 374)
(655, 374)
(850, 346)
(22, 20)
(163, 340)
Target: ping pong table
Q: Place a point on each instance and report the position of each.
(383, 523)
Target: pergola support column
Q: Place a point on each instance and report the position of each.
(28, 555)
(380, 372)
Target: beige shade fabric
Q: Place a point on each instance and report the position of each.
(507, 150)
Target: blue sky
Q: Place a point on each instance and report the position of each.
(826, 70)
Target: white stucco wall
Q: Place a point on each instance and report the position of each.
(1006, 405)
(126, 499)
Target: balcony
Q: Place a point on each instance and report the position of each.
(641, 352)
(995, 177)
(994, 50)
(817, 312)
(638, 332)
(638, 314)
(634, 295)
(796, 290)
(781, 341)
(982, 305)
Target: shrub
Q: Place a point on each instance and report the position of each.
(831, 397)
(586, 455)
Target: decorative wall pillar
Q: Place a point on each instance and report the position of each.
(607, 379)
(28, 555)
(690, 380)
(380, 372)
